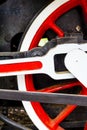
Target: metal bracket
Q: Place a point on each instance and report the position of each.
(76, 63)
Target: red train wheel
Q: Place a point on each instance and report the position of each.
(44, 21)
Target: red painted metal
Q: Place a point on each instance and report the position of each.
(5, 68)
(49, 23)
(53, 124)
(85, 128)
(59, 87)
(83, 4)
(56, 29)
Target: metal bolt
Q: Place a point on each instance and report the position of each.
(78, 28)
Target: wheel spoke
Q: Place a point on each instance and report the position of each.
(63, 114)
(66, 111)
(56, 29)
(59, 87)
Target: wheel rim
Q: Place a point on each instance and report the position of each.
(35, 110)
